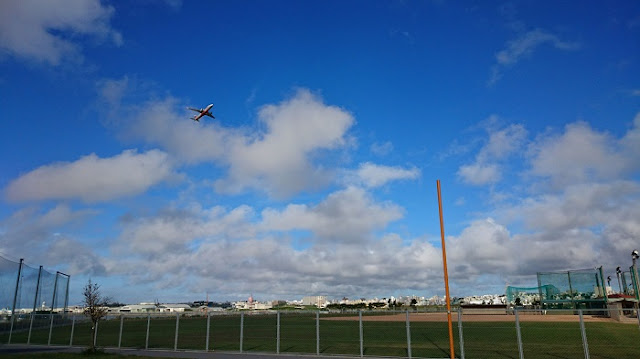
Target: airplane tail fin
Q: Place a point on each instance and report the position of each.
(195, 119)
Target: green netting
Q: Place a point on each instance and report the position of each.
(529, 295)
(574, 286)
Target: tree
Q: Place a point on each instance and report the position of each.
(95, 307)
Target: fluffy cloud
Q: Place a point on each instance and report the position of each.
(479, 174)
(577, 211)
(93, 179)
(349, 215)
(282, 157)
(174, 231)
(40, 30)
(35, 234)
(582, 154)
(372, 175)
(501, 144)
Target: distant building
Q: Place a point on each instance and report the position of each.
(174, 308)
(139, 308)
(319, 301)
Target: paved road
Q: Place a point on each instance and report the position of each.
(22, 349)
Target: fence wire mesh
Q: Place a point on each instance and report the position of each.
(516, 333)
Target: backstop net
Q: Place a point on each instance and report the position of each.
(529, 295)
(582, 288)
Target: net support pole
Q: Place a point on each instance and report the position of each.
(15, 297)
(53, 304)
(66, 296)
(35, 303)
(446, 275)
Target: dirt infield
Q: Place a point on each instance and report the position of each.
(442, 317)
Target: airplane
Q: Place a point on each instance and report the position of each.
(202, 112)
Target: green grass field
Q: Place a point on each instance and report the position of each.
(298, 335)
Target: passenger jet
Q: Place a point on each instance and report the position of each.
(202, 112)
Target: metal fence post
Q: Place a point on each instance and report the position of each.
(73, 326)
(175, 341)
(318, 333)
(585, 345)
(35, 303)
(278, 332)
(206, 346)
(146, 342)
(95, 335)
(361, 339)
(120, 334)
(15, 297)
(461, 337)
(408, 336)
(520, 351)
(241, 329)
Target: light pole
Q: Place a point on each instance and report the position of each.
(634, 257)
(618, 272)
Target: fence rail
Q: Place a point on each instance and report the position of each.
(516, 334)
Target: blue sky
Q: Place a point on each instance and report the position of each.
(333, 122)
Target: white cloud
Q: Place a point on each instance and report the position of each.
(479, 174)
(282, 157)
(582, 154)
(500, 146)
(93, 179)
(173, 230)
(39, 30)
(349, 215)
(34, 234)
(524, 46)
(372, 175)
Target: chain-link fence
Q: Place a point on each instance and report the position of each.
(31, 300)
(515, 333)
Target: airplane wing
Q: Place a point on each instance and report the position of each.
(209, 114)
(194, 109)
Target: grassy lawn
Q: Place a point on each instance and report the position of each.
(298, 335)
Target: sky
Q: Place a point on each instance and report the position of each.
(333, 122)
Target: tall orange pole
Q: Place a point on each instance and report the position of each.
(446, 275)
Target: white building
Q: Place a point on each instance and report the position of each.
(174, 308)
(319, 301)
(138, 308)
